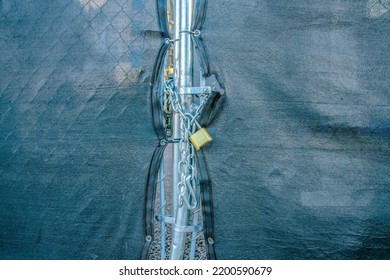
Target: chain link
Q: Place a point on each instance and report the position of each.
(188, 125)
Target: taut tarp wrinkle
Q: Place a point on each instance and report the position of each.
(198, 21)
(158, 121)
(207, 205)
(300, 162)
(150, 199)
(155, 90)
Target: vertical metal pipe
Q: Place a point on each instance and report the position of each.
(176, 118)
(183, 21)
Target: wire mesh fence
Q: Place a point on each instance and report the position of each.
(104, 38)
(73, 101)
(63, 62)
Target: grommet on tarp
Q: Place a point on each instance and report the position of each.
(196, 32)
(169, 41)
(163, 142)
(210, 240)
(148, 238)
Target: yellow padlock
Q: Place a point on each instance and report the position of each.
(200, 138)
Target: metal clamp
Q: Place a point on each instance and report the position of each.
(195, 90)
(167, 220)
(196, 32)
(190, 228)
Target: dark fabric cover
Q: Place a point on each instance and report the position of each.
(300, 160)
(76, 134)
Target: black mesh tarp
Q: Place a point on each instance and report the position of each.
(76, 132)
(300, 160)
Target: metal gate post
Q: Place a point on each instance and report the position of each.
(183, 78)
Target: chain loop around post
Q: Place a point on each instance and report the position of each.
(188, 125)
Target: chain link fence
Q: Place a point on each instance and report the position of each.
(75, 126)
(105, 39)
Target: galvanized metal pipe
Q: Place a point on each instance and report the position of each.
(183, 48)
(176, 134)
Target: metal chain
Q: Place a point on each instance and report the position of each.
(167, 112)
(188, 125)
